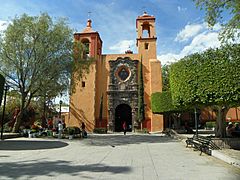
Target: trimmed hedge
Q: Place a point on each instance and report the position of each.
(162, 102)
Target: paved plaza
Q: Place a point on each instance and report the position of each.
(113, 156)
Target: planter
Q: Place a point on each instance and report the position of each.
(70, 137)
(30, 135)
(54, 133)
(49, 133)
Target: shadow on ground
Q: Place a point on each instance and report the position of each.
(30, 145)
(32, 169)
(118, 140)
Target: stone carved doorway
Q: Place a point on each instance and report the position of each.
(122, 93)
(123, 112)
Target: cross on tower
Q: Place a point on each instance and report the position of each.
(144, 9)
(89, 14)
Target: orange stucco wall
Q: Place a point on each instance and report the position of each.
(156, 86)
(82, 102)
(86, 101)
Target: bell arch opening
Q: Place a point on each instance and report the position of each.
(123, 112)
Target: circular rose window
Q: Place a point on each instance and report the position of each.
(123, 73)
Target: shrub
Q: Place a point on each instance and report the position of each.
(100, 130)
(71, 130)
(210, 125)
(144, 131)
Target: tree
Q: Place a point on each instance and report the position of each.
(81, 64)
(2, 83)
(165, 77)
(211, 78)
(161, 103)
(216, 9)
(141, 108)
(35, 53)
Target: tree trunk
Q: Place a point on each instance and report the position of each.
(175, 121)
(20, 116)
(18, 122)
(221, 113)
(44, 122)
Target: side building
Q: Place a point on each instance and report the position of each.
(108, 95)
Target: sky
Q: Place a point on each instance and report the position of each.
(180, 26)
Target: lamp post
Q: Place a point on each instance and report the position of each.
(4, 105)
(60, 108)
(196, 121)
(49, 105)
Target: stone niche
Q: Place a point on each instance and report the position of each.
(122, 89)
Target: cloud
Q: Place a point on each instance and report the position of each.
(122, 46)
(201, 40)
(168, 58)
(3, 25)
(189, 31)
(181, 9)
(118, 25)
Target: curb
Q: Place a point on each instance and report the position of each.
(10, 135)
(215, 153)
(227, 159)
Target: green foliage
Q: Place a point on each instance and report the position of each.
(81, 65)
(143, 131)
(211, 77)
(210, 125)
(162, 102)
(71, 130)
(165, 78)
(216, 9)
(141, 108)
(35, 54)
(100, 130)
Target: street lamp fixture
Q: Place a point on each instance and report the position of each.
(6, 88)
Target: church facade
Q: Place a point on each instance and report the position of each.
(108, 95)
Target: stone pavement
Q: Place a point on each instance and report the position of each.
(113, 156)
(229, 156)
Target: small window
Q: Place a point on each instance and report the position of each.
(83, 84)
(146, 45)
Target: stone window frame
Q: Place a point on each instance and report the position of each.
(119, 69)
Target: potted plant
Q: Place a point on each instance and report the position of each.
(54, 132)
(71, 131)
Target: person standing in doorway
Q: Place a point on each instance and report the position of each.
(124, 127)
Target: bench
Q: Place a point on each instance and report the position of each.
(202, 143)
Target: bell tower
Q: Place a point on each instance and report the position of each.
(91, 39)
(146, 36)
(85, 101)
(152, 77)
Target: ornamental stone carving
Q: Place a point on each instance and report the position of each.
(122, 88)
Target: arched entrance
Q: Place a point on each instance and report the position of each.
(123, 113)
